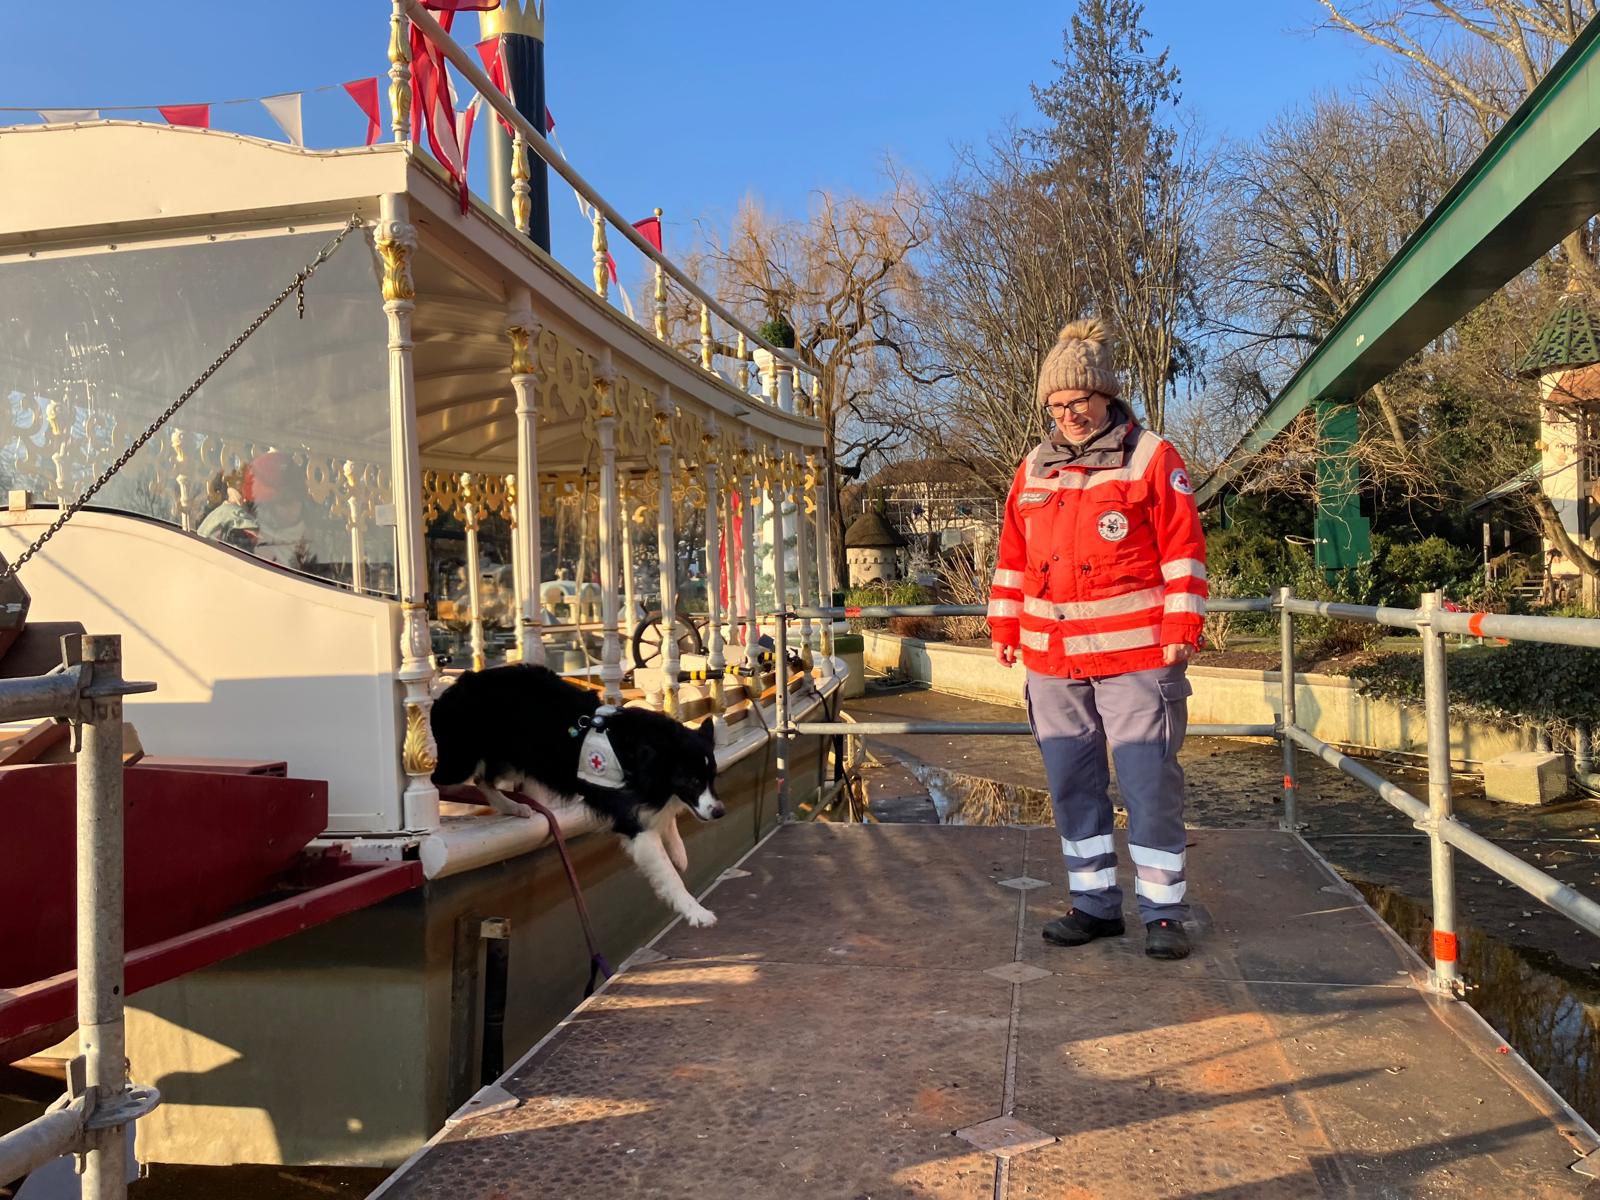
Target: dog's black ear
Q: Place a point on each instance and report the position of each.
(708, 732)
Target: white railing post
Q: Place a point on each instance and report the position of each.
(521, 329)
(706, 359)
(667, 550)
(395, 240)
(606, 427)
(602, 261)
(1436, 696)
(661, 292)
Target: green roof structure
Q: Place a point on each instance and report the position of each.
(1570, 338)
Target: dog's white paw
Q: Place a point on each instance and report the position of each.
(518, 810)
(700, 916)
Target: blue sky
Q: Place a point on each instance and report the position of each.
(686, 106)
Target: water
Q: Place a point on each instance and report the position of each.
(962, 799)
(1547, 1010)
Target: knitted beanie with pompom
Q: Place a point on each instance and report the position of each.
(1080, 359)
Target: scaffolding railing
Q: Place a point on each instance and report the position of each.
(91, 1119)
(1435, 817)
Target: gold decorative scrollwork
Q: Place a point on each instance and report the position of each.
(417, 753)
(395, 250)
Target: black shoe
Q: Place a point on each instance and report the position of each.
(1166, 939)
(1076, 928)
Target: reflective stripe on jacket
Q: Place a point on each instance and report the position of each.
(1100, 566)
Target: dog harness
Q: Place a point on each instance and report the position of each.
(597, 761)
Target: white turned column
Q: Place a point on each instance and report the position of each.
(777, 485)
(522, 329)
(747, 569)
(733, 566)
(825, 584)
(606, 428)
(630, 605)
(806, 504)
(395, 241)
(784, 378)
(355, 507)
(399, 73)
(469, 524)
(667, 551)
(518, 564)
(715, 662)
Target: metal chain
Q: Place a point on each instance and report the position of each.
(295, 286)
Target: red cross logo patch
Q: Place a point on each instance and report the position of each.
(597, 763)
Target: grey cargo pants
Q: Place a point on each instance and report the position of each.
(1143, 715)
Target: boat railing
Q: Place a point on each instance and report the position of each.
(781, 385)
(1433, 621)
(91, 1119)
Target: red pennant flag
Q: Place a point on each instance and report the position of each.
(365, 93)
(494, 66)
(611, 265)
(197, 115)
(454, 6)
(549, 121)
(650, 227)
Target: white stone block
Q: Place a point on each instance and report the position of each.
(1526, 777)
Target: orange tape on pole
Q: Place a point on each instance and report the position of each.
(1475, 624)
(852, 610)
(1444, 947)
(1288, 783)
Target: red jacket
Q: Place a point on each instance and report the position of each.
(1102, 562)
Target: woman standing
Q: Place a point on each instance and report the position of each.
(1101, 584)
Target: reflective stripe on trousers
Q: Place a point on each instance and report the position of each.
(1143, 716)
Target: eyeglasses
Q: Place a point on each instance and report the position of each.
(1073, 406)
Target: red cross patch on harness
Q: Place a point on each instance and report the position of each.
(597, 763)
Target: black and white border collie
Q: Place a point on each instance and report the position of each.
(524, 727)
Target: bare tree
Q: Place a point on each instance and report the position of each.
(1479, 56)
(1313, 210)
(1003, 271)
(840, 278)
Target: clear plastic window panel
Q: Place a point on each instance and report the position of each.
(284, 454)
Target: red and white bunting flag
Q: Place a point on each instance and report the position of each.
(285, 110)
(365, 93)
(195, 115)
(650, 230)
(65, 116)
(451, 7)
(433, 95)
